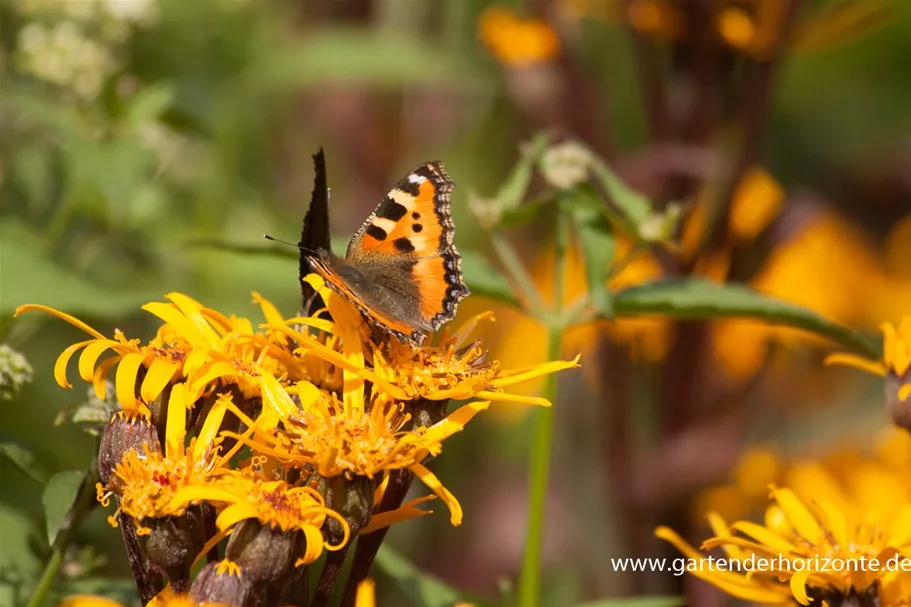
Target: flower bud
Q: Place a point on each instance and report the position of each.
(222, 584)
(265, 555)
(353, 499)
(123, 434)
(173, 544)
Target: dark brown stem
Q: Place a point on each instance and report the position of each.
(148, 583)
(327, 578)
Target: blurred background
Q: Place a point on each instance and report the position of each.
(146, 146)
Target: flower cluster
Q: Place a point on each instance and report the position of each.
(286, 440)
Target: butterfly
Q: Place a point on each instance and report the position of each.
(401, 269)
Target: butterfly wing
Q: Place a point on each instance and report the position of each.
(410, 236)
(315, 232)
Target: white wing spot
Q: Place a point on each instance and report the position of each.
(415, 178)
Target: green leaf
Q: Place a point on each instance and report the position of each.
(422, 588)
(523, 214)
(645, 601)
(514, 188)
(485, 280)
(30, 277)
(150, 103)
(695, 299)
(17, 555)
(58, 499)
(596, 239)
(636, 207)
(24, 460)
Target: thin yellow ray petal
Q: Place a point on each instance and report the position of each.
(454, 422)
(320, 324)
(64, 359)
(89, 357)
(208, 373)
(276, 396)
(734, 584)
(834, 521)
(157, 377)
(903, 392)
(799, 586)
(800, 517)
(99, 381)
(90, 600)
(313, 546)
(434, 484)
(192, 310)
(213, 541)
(125, 380)
(366, 594)
(200, 493)
(460, 337)
(183, 326)
(720, 529)
(176, 423)
(235, 513)
(270, 312)
(900, 534)
(851, 360)
(541, 370)
(504, 397)
(61, 315)
(764, 536)
(403, 513)
(209, 431)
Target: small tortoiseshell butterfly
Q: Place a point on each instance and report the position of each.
(402, 269)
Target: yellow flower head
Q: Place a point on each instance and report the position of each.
(896, 356)
(147, 482)
(517, 42)
(820, 548)
(274, 503)
(165, 598)
(189, 343)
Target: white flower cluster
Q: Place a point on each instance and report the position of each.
(14, 372)
(72, 43)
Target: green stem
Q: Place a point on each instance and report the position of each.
(85, 501)
(530, 577)
(510, 260)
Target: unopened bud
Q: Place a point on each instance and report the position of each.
(222, 583)
(123, 434)
(353, 499)
(173, 544)
(265, 555)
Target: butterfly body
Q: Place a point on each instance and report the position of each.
(402, 269)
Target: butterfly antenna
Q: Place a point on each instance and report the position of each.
(296, 246)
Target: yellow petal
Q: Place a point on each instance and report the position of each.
(504, 397)
(209, 431)
(64, 359)
(90, 600)
(99, 381)
(176, 424)
(900, 534)
(834, 521)
(89, 357)
(799, 586)
(460, 337)
(184, 327)
(721, 530)
(545, 369)
(276, 396)
(366, 595)
(62, 315)
(313, 546)
(851, 360)
(454, 422)
(903, 392)
(125, 380)
(269, 310)
(192, 309)
(764, 536)
(208, 493)
(403, 513)
(157, 377)
(434, 484)
(799, 516)
(207, 373)
(235, 513)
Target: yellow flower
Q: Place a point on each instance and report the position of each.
(273, 503)
(517, 42)
(148, 482)
(189, 339)
(166, 598)
(809, 548)
(896, 356)
(366, 595)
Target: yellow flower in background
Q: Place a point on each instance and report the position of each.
(166, 598)
(896, 356)
(517, 42)
(811, 548)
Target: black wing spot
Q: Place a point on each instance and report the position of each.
(415, 215)
(376, 232)
(403, 245)
(417, 228)
(390, 209)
